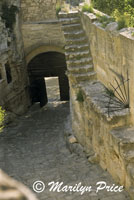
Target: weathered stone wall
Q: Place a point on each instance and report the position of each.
(40, 26)
(37, 35)
(38, 10)
(13, 93)
(106, 140)
(107, 136)
(112, 53)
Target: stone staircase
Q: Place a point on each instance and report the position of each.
(78, 57)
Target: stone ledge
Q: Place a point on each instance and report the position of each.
(126, 32)
(124, 138)
(95, 93)
(55, 21)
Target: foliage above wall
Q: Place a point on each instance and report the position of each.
(87, 8)
(9, 15)
(121, 10)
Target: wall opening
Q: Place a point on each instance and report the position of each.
(49, 64)
(52, 87)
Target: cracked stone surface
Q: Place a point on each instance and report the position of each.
(33, 148)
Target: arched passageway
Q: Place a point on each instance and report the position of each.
(49, 64)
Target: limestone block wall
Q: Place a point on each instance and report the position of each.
(36, 35)
(112, 53)
(106, 139)
(40, 26)
(38, 10)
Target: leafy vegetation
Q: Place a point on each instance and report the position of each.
(121, 10)
(2, 116)
(9, 15)
(87, 8)
(80, 97)
(132, 34)
(105, 20)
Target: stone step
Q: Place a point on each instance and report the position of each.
(81, 69)
(99, 100)
(129, 155)
(124, 138)
(90, 76)
(70, 14)
(71, 27)
(74, 20)
(77, 55)
(76, 41)
(74, 34)
(82, 61)
(75, 48)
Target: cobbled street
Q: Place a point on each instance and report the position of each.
(33, 148)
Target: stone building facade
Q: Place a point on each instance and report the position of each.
(35, 31)
(37, 11)
(13, 87)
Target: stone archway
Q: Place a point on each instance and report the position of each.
(47, 64)
(42, 49)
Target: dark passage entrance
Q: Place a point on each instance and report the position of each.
(48, 64)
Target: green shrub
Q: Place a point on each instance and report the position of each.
(132, 34)
(105, 20)
(87, 8)
(9, 15)
(122, 19)
(2, 116)
(121, 10)
(80, 97)
(108, 6)
(122, 23)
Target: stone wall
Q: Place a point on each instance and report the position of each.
(38, 10)
(40, 27)
(112, 53)
(107, 140)
(106, 135)
(36, 35)
(13, 82)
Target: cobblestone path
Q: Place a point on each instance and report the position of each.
(33, 148)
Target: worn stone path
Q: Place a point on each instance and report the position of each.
(33, 148)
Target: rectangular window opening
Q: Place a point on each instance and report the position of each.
(8, 73)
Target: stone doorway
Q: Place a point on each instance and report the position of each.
(49, 64)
